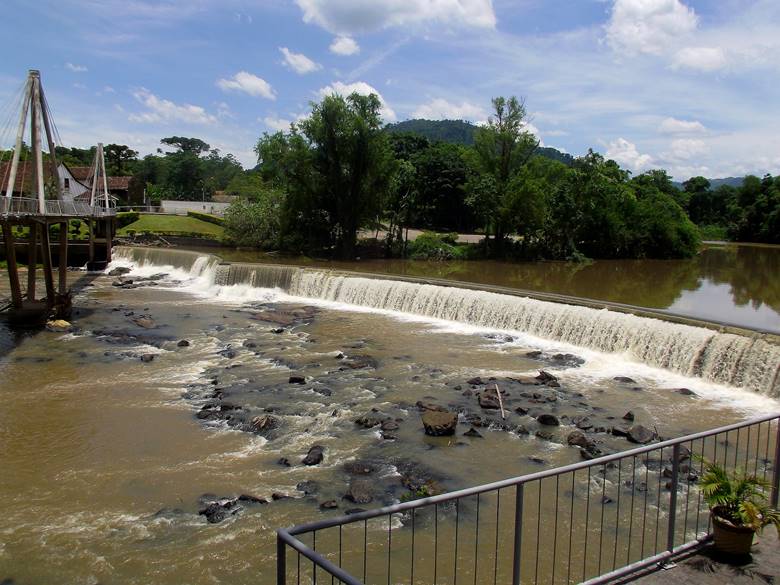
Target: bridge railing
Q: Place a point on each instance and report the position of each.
(593, 522)
(19, 206)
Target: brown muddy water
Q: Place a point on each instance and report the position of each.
(106, 459)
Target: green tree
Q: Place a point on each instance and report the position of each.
(189, 145)
(118, 155)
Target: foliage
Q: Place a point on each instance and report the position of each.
(434, 246)
(738, 497)
(255, 223)
(125, 218)
(117, 158)
(216, 220)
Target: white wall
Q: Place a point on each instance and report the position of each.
(182, 207)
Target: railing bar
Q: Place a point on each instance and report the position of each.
(365, 548)
(672, 526)
(299, 568)
(617, 514)
(736, 452)
(687, 485)
(389, 544)
(601, 523)
(555, 528)
(747, 451)
(726, 452)
(571, 529)
(341, 547)
(538, 529)
(698, 495)
(498, 515)
(768, 438)
(327, 523)
(476, 543)
(631, 512)
(411, 577)
(775, 496)
(314, 548)
(518, 536)
(457, 526)
(587, 528)
(644, 511)
(435, 543)
(658, 504)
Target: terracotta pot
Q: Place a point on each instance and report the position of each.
(730, 539)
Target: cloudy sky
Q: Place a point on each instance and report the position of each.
(687, 85)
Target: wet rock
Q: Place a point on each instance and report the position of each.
(438, 423)
(578, 439)
(276, 496)
(183, 343)
(371, 419)
(147, 357)
(249, 344)
(308, 487)
(629, 416)
(472, 432)
(521, 410)
(423, 405)
(323, 391)
(284, 462)
(548, 419)
(568, 360)
(145, 322)
(263, 424)
(537, 460)
(489, 399)
(582, 422)
(361, 491)
(640, 434)
(250, 499)
(390, 425)
(119, 271)
(297, 380)
(546, 377)
(329, 505)
(314, 456)
(359, 362)
(359, 468)
(620, 431)
(217, 511)
(58, 326)
(545, 435)
(686, 392)
(624, 380)
(278, 330)
(228, 353)
(351, 511)
(476, 381)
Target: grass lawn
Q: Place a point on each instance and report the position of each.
(173, 225)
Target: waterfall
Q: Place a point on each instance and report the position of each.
(751, 362)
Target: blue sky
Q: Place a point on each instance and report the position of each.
(690, 86)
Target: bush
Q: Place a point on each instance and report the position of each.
(207, 217)
(257, 223)
(433, 246)
(125, 218)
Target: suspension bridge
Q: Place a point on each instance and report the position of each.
(33, 200)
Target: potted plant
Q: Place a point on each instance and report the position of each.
(738, 507)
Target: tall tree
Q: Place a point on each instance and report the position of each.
(189, 145)
(118, 155)
(502, 148)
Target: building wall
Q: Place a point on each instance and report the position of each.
(70, 186)
(182, 207)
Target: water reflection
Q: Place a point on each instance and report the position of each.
(736, 284)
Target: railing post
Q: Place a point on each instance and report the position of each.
(776, 467)
(673, 497)
(281, 560)
(518, 534)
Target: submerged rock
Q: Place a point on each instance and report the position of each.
(548, 419)
(361, 491)
(183, 343)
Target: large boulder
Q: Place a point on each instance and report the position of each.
(361, 491)
(548, 419)
(438, 423)
(640, 434)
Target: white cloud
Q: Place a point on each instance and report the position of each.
(363, 88)
(626, 154)
(162, 110)
(277, 124)
(299, 62)
(75, 68)
(224, 111)
(649, 26)
(700, 58)
(248, 83)
(441, 109)
(675, 126)
(344, 46)
(108, 89)
(687, 148)
(346, 17)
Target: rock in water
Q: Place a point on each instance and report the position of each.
(548, 419)
(314, 456)
(119, 271)
(147, 357)
(439, 423)
(183, 343)
(640, 434)
(58, 326)
(361, 491)
(578, 439)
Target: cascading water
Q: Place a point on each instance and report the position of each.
(735, 360)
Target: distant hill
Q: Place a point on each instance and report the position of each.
(715, 183)
(461, 132)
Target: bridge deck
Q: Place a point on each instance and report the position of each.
(28, 208)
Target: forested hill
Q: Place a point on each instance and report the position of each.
(735, 182)
(461, 132)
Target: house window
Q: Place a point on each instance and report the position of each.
(67, 183)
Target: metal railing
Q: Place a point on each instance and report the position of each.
(593, 522)
(25, 206)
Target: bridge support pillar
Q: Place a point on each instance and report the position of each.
(47, 265)
(32, 260)
(13, 270)
(63, 258)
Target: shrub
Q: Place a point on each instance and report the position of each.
(256, 223)
(433, 246)
(125, 218)
(207, 217)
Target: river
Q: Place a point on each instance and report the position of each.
(115, 435)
